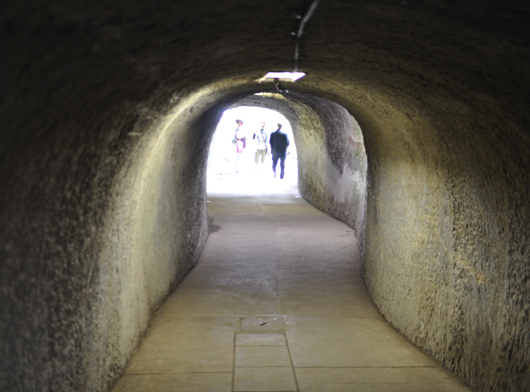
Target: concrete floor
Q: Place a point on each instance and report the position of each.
(276, 303)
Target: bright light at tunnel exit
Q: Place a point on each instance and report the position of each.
(231, 172)
(290, 76)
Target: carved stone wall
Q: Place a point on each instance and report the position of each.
(106, 113)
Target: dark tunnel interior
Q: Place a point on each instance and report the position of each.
(107, 112)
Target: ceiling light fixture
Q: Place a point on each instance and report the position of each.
(283, 76)
(295, 75)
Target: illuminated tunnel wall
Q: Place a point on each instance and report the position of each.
(107, 110)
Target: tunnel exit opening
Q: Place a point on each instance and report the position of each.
(328, 166)
(236, 160)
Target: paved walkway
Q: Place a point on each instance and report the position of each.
(276, 303)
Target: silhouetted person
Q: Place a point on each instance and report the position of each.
(279, 142)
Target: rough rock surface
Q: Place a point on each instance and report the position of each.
(107, 110)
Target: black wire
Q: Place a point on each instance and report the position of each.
(300, 32)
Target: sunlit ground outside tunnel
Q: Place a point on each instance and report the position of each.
(230, 172)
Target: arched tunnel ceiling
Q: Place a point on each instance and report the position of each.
(428, 58)
(104, 103)
(406, 49)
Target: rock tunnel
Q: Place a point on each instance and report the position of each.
(107, 111)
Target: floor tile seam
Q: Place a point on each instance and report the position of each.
(172, 373)
(259, 331)
(234, 359)
(337, 317)
(262, 366)
(367, 367)
(286, 390)
(195, 316)
(236, 316)
(292, 362)
(265, 390)
(261, 345)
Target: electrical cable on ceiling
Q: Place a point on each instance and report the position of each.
(295, 75)
(300, 31)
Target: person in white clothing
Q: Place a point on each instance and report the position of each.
(261, 144)
(240, 141)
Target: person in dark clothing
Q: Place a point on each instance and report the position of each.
(279, 142)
